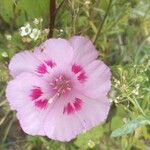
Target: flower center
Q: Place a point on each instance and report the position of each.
(61, 85)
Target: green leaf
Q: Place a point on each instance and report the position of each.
(34, 8)
(24, 9)
(131, 126)
(6, 10)
(116, 122)
(92, 135)
(4, 75)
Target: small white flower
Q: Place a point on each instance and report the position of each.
(41, 19)
(36, 21)
(61, 30)
(110, 100)
(35, 34)
(8, 37)
(25, 30)
(125, 120)
(46, 31)
(4, 54)
(87, 2)
(91, 144)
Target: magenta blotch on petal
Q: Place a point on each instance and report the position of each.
(73, 107)
(76, 68)
(50, 63)
(81, 75)
(77, 104)
(60, 89)
(36, 92)
(42, 103)
(41, 69)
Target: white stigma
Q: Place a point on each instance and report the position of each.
(50, 101)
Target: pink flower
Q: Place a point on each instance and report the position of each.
(60, 89)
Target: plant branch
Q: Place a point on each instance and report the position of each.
(60, 5)
(102, 23)
(52, 14)
(8, 128)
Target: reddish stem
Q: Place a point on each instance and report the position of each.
(52, 14)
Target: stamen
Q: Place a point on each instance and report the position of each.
(52, 84)
(53, 98)
(69, 88)
(60, 77)
(61, 85)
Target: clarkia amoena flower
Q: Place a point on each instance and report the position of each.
(60, 89)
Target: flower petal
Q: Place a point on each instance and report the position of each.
(66, 126)
(34, 62)
(23, 62)
(22, 94)
(99, 79)
(94, 111)
(31, 120)
(60, 126)
(21, 91)
(84, 50)
(59, 50)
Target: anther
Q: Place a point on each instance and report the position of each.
(61, 85)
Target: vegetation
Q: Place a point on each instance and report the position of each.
(120, 30)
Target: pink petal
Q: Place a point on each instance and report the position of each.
(34, 62)
(42, 103)
(20, 97)
(61, 127)
(81, 75)
(31, 120)
(36, 92)
(50, 63)
(43, 57)
(59, 50)
(99, 79)
(76, 68)
(21, 91)
(84, 50)
(64, 127)
(77, 104)
(93, 112)
(41, 69)
(72, 107)
(69, 108)
(23, 62)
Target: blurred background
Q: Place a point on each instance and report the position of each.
(120, 30)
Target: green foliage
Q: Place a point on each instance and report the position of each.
(120, 32)
(17, 12)
(131, 126)
(6, 10)
(90, 138)
(33, 9)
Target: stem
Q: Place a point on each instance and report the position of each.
(63, 1)
(2, 103)
(4, 118)
(139, 48)
(52, 11)
(73, 17)
(102, 23)
(8, 129)
(136, 104)
(146, 12)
